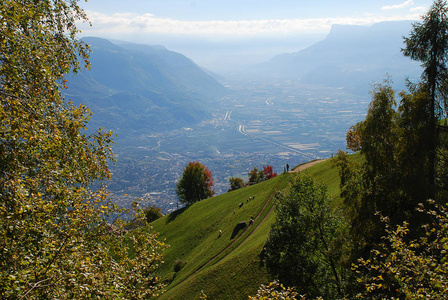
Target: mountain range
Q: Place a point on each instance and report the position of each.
(145, 93)
(352, 57)
(136, 88)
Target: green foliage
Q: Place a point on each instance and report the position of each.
(351, 187)
(255, 176)
(304, 246)
(395, 175)
(428, 44)
(414, 147)
(152, 213)
(131, 272)
(377, 191)
(55, 242)
(401, 268)
(235, 183)
(196, 184)
(405, 164)
(276, 291)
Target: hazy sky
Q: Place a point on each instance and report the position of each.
(175, 23)
(242, 17)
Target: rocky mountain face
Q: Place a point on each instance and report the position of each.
(352, 57)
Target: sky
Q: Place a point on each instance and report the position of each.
(189, 26)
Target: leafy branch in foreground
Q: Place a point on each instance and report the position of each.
(275, 290)
(409, 269)
(54, 238)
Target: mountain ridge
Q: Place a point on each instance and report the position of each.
(351, 56)
(136, 88)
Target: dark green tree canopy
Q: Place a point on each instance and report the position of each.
(428, 44)
(196, 184)
(152, 213)
(302, 248)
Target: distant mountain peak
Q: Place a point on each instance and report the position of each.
(138, 88)
(124, 44)
(351, 56)
(386, 28)
(99, 42)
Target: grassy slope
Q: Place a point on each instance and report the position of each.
(325, 174)
(194, 238)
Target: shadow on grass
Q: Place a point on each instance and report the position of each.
(172, 216)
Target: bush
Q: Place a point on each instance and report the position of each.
(303, 248)
(276, 291)
(179, 264)
(401, 268)
(152, 213)
(268, 172)
(235, 183)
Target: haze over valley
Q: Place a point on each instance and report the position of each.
(293, 108)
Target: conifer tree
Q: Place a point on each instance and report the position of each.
(428, 43)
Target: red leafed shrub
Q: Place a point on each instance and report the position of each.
(268, 172)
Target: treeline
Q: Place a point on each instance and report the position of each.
(255, 176)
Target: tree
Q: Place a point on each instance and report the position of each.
(152, 213)
(255, 176)
(268, 172)
(428, 43)
(394, 177)
(379, 135)
(235, 183)
(353, 137)
(303, 248)
(54, 238)
(196, 184)
(414, 147)
(351, 183)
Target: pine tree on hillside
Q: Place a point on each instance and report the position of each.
(428, 43)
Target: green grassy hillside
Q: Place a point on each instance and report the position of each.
(222, 267)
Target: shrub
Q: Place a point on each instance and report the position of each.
(235, 183)
(179, 264)
(152, 213)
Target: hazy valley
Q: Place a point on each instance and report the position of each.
(272, 124)
(166, 111)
